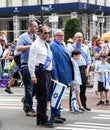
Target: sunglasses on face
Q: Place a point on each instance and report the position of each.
(46, 33)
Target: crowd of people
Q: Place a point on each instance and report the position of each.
(68, 63)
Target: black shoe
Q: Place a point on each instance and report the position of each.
(100, 102)
(107, 102)
(82, 109)
(56, 120)
(62, 118)
(87, 109)
(8, 90)
(48, 124)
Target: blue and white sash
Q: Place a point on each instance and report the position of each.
(83, 53)
(48, 59)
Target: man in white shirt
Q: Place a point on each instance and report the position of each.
(40, 66)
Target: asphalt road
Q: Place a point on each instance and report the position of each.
(13, 118)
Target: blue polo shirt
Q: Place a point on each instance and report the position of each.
(97, 50)
(24, 40)
(102, 67)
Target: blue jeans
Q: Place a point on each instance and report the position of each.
(55, 112)
(28, 98)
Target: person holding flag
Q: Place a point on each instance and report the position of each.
(101, 69)
(40, 66)
(62, 71)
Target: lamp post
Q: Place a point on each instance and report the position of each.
(16, 22)
(41, 11)
(101, 21)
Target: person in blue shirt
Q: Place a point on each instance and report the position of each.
(98, 49)
(84, 63)
(75, 84)
(23, 45)
(100, 69)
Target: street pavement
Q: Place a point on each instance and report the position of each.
(13, 118)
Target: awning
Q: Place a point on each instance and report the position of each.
(105, 35)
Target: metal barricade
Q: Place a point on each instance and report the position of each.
(5, 71)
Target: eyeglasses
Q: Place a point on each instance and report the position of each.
(79, 37)
(60, 35)
(46, 33)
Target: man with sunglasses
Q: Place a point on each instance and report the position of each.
(23, 45)
(40, 66)
(62, 71)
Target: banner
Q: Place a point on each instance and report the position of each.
(107, 80)
(57, 94)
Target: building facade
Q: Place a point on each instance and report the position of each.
(94, 15)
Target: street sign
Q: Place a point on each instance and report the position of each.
(45, 8)
(53, 18)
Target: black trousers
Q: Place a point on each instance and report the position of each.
(42, 94)
(83, 86)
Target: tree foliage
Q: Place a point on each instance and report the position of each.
(72, 26)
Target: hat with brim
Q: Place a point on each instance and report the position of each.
(12, 47)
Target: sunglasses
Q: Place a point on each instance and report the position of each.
(46, 33)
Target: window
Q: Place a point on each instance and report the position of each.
(56, 1)
(24, 2)
(8, 3)
(95, 1)
(40, 1)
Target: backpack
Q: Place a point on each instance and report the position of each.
(17, 60)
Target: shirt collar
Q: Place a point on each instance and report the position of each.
(103, 63)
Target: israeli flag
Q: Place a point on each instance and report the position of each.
(107, 80)
(57, 94)
(73, 101)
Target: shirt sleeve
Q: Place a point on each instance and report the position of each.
(20, 41)
(32, 59)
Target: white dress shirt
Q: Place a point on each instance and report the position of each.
(37, 55)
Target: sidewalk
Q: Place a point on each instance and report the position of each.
(91, 101)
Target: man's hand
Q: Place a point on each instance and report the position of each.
(34, 80)
(87, 72)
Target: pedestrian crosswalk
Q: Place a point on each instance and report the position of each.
(102, 116)
(84, 126)
(11, 101)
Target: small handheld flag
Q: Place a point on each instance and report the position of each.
(107, 80)
(57, 94)
(73, 101)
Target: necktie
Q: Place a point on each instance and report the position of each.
(46, 45)
(34, 37)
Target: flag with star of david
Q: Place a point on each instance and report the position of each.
(107, 80)
(57, 94)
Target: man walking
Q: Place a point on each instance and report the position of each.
(23, 45)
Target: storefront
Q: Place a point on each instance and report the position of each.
(14, 19)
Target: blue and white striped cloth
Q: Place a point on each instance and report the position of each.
(107, 80)
(57, 94)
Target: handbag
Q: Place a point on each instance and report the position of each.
(7, 64)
